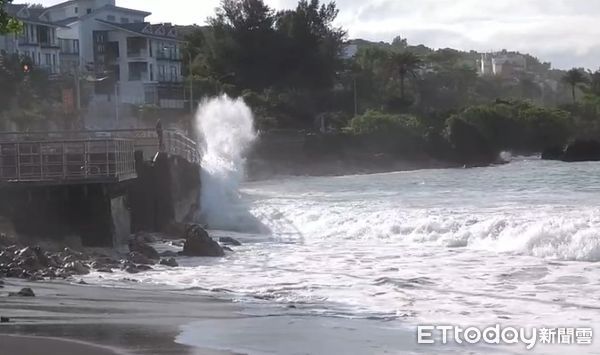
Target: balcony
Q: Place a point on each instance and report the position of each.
(137, 47)
(168, 54)
(69, 46)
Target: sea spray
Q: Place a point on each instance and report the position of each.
(226, 130)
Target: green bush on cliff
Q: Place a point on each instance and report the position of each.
(518, 125)
(381, 123)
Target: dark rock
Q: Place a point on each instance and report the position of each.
(470, 145)
(553, 153)
(77, 267)
(82, 282)
(132, 269)
(168, 254)
(4, 320)
(25, 292)
(139, 258)
(169, 262)
(582, 150)
(144, 267)
(199, 243)
(141, 247)
(105, 270)
(227, 249)
(230, 241)
(35, 277)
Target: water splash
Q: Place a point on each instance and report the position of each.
(226, 128)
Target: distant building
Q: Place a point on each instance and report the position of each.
(503, 64)
(38, 41)
(111, 46)
(131, 58)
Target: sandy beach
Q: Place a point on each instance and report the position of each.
(68, 318)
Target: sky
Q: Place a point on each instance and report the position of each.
(564, 32)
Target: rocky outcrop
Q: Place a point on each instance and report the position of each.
(34, 263)
(25, 292)
(553, 153)
(470, 147)
(199, 243)
(577, 151)
(138, 245)
(229, 241)
(582, 150)
(171, 262)
(139, 258)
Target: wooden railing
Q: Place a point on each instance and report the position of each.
(97, 160)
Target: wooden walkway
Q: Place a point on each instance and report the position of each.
(84, 157)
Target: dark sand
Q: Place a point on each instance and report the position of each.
(134, 321)
(48, 346)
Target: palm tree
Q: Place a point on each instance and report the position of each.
(574, 77)
(404, 64)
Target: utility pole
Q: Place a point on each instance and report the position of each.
(191, 83)
(77, 89)
(117, 103)
(355, 98)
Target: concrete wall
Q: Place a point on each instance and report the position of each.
(167, 191)
(104, 215)
(57, 212)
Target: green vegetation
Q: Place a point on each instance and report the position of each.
(288, 66)
(8, 24)
(29, 100)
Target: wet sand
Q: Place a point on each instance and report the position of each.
(120, 321)
(49, 346)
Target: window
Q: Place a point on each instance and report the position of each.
(75, 46)
(173, 73)
(39, 58)
(110, 18)
(151, 72)
(162, 73)
(48, 59)
(76, 10)
(53, 60)
(124, 20)
(89, 11)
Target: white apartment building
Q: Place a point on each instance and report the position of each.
(502, 64)
(38, 41)
(113, 47)
(131, 58)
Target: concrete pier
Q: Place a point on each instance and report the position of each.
(98, 189)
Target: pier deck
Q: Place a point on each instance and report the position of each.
(47, 158)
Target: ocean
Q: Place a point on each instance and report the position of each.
(353, 264)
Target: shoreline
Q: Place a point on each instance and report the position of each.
(104, 320)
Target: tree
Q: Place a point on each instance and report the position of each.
(8, 24)
(404, 64)
(574, 77)
(310, 44)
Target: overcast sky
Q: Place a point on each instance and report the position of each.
(565, 32)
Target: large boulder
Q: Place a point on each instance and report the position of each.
(199, 243)
(139, 258)
(139, 246)
(25, 292)
(553, 153)
(582, 150)
(171, 262)
(230, 241)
